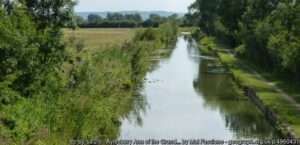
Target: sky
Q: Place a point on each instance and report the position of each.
(140, 5)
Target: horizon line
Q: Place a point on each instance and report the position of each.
(89, 11)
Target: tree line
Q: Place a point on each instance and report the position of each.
(119, 20)
(265, 32)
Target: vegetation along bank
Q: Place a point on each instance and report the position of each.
(259, 40)
(53, 90)
(279, 109)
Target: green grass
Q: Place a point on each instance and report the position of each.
(288, 86)
(94, 40)
(285, 110)
(207, 46)
(100, 37)
(187, 29)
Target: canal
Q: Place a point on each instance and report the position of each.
(181, 99)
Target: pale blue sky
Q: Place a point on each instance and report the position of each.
(142, 5)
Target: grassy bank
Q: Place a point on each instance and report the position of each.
(246, 76)
(91, 93)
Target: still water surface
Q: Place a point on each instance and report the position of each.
(182, 101)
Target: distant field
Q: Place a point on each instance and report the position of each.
(99, 37)
(94, 38)
(187, 29)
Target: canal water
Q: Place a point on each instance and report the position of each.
(182, 100)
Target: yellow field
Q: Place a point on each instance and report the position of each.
(99, 37)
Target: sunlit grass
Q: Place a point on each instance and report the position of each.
(286, 111)
(94, 38)
(187, 29)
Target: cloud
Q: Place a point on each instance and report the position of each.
(142, 5)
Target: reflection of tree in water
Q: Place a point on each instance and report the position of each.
(159, 57)
(136, 108)
(240, 115)
(138, 104)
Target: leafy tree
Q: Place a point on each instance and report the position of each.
(94, 19)
(189, 20)
(52, 14)
(79, 20)
(115, 17)
(134, 17)
(206, 11)
(265, 31)
(31, 55)
(112, 20)
(284, 42)
(154, 21)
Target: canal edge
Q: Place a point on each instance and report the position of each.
(283, 128)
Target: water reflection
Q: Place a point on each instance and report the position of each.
(182, 100)
(138, 107)
(240, 116)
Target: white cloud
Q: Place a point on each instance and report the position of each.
(145, 5)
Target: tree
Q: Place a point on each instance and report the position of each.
(94, 19)
(79, 20)
(115, 17)
(154, 20)
(206, 11)
(231, 13)
(189, 20)
(31, 56)
(50, 13)
(31, 45)
(133, 17)
(265, 31)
